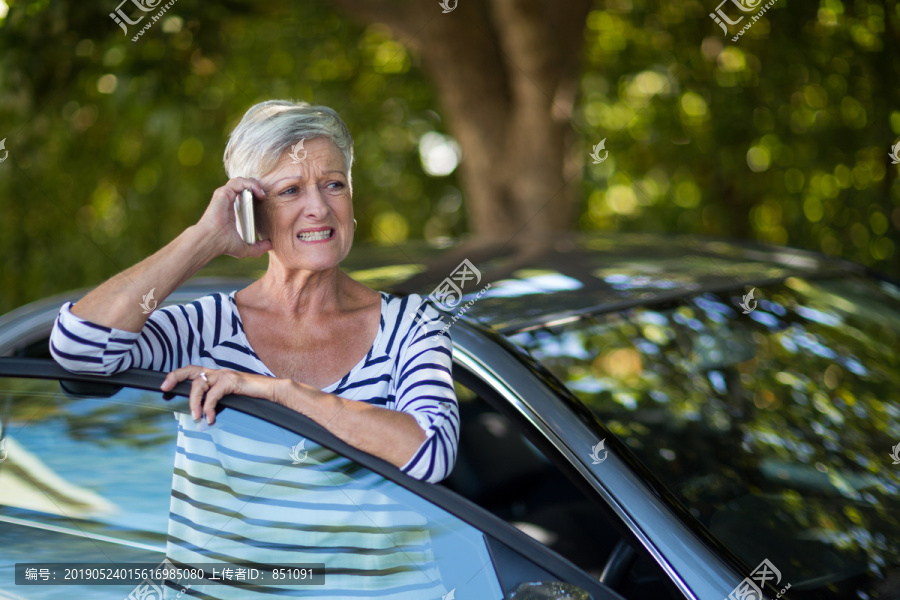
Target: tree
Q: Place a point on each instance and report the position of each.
(112, 146)
(506, 73)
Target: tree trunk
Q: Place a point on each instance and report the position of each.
(506, 72)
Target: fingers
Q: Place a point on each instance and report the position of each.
(259, 248)
(199, 385)
(208, 386)
(235, 186)
(222, 214)
(220, 384)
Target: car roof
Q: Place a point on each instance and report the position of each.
(563, 277)
(515, 285)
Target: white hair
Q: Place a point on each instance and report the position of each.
(270, 128)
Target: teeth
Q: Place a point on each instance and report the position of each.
(315, 236)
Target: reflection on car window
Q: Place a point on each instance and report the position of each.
(249, 492)
(86, 457)
(774, 428)
(501, 471)
(82, 479)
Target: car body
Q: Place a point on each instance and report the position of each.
(562, 355)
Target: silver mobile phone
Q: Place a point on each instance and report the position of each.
(243, 212)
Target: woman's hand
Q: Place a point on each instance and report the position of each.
(213, 384)
(113, 303)
(220, 223)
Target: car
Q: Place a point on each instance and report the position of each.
(642, 417)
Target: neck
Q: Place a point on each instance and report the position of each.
(300, 292)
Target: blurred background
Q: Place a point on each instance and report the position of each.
(475, 120)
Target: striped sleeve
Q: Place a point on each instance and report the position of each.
(166, 342)
(424, 389)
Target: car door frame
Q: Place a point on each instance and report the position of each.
(492, 528)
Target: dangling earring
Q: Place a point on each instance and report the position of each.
(355, 224)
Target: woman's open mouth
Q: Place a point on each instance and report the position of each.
(317, 235)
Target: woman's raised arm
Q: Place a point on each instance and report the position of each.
(117, 302)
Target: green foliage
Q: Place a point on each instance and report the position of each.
(115, 145)
(781, 136)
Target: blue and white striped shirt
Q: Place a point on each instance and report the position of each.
(236, 497)
(408, 367)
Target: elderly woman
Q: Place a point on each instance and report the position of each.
(363, 364)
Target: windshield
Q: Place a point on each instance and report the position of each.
(778, 429)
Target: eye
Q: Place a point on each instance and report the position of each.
(287, 191)
(336, 185)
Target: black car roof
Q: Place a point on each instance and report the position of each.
(544, 282)
(518, 284)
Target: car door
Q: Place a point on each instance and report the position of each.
(93, 472)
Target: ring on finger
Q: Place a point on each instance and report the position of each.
(204, 378)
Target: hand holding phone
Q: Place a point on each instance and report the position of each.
(243, 213)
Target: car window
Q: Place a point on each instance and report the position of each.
(82, 479)
(250, 491)
(776, 425)
(499, 469)
(245, 492)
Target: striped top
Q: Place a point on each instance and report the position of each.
(408, 367)
(239, 493)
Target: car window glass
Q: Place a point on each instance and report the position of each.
(501, 471)
(248, 491)
(90, 473)
(775, 425)
(82, 478)
(104, 466)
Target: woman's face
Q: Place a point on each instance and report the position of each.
(308, 207)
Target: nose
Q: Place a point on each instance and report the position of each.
(315, 206)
